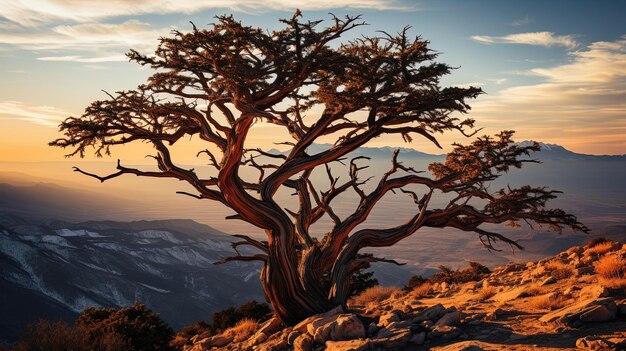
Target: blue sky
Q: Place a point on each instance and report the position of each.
(553, 70)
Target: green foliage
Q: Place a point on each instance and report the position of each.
(361, 280)
(134, 328)
(229, 317)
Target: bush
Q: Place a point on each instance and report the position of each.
(414, 282)
(473, 273)
(547, 302)
(601, 248)
(134, 328)
(611, 271)
(422, 290)
(375, 294)
(140, 327)
(227, 318)
(596, 241)
(559, 270)
(183, 337)
(242, 330)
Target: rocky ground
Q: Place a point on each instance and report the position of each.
(558, 303)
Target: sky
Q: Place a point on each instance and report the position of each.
(554, 71)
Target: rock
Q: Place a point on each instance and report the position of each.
(517, 337)
(220, 340)
(509, 295)
(599, 313)
(304, 342)
(570, 315)
(291, 338)
(463, 346)
(271, 326)
(342, 327)
(594, 343)
(418, 339)
(349, 345)
(621, 308)
(302, 326)
(372, 329)
(392, 337)
(446, 332)
(451, 318)
(388, 318)
(431, 313)
(548, 281)
(257, 338)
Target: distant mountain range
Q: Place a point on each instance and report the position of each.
(55, 269)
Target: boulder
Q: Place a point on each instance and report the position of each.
(336, 328)
(594, 343)
(291, 338)
(450, 318)
(418, 339)
(463, 346)
(304, 342)
(548, 281)
(271, 326)
(388, 318)
(599, 313)
(570, 315)
(392, 337)
(446, 332)
(594, 291)
(432, 313)
(220, 340)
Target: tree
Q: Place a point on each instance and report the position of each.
(216, 83)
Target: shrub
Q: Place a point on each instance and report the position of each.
(487, 292)
(611, 271)
(422, 290)
(559, 270)
(547, 302)
(414, 282)
(141, 328)
(533, 290)
(243, 329)
(595, 242)
(474, 272)
(375, 294)
(51, 336)
(601, 248)
(134, 328)
(184, 336)
(227, 318)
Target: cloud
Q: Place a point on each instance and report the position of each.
(76, 58)
(581, 104)
(87, 36)
(42, 115)
(547, 39)
(34, 13)
(521, 22)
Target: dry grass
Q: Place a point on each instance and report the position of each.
(375, 294)
(559, 270)
(242, 330)
(547, 302)
(600, 249)
(611, 271)
(487, 292)
(422, 290)
(534, 290)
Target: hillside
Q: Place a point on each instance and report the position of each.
(565, 302)
(55, 269)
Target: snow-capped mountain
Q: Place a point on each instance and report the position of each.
(56, 269)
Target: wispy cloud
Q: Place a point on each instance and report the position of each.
(581, 103)
(34, 13)
(77, 58)
(546, 39)
(521, 22)
(86, 36)
(43, 115)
